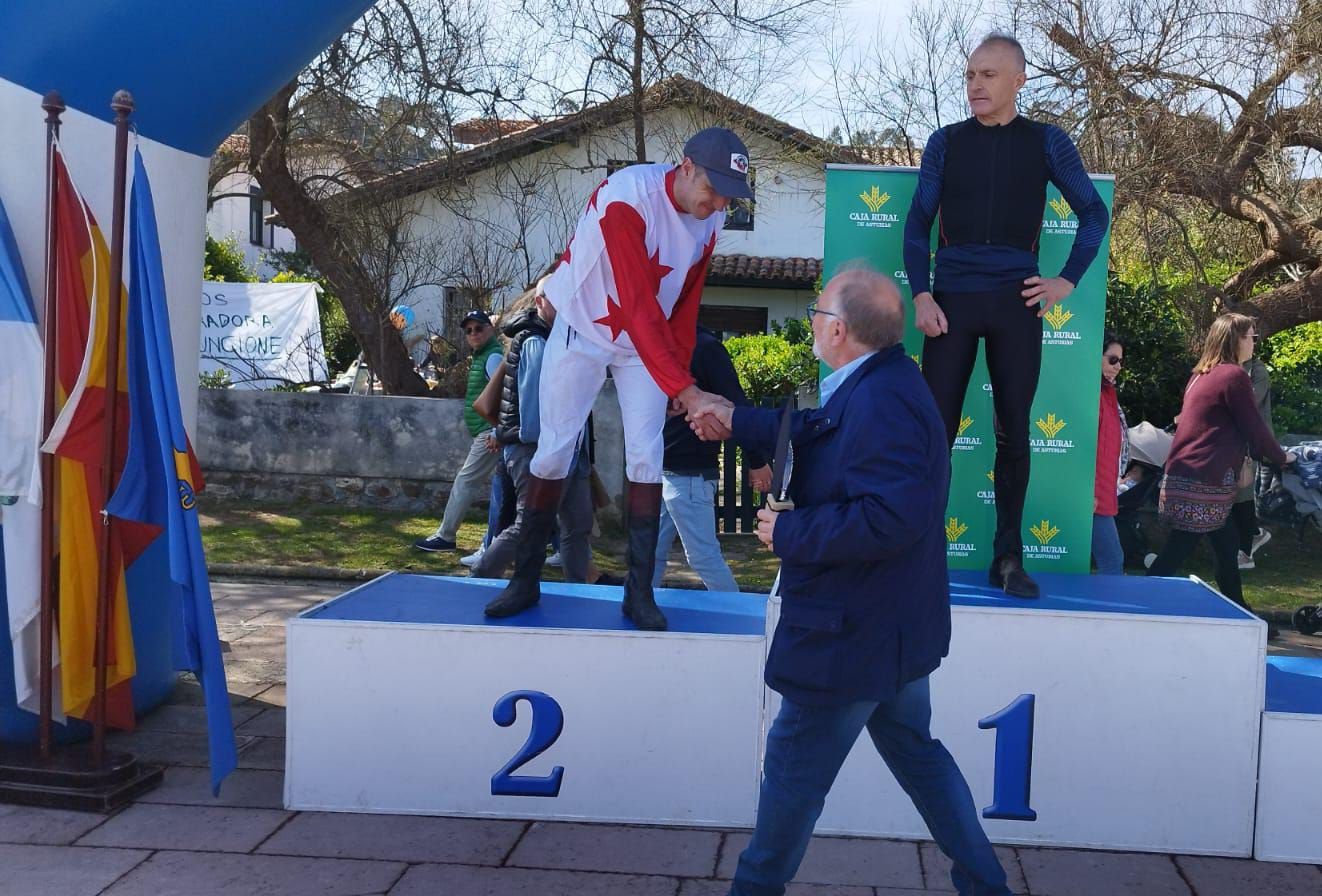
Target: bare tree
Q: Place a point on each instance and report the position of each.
(382, 98)
(1211, 114)
(620, 48)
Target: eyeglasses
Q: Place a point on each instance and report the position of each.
(1117, 360)
(469, 331)
(813, 309)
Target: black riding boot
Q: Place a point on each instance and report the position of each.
(644, 509)
(539, 513)
(1007, 573)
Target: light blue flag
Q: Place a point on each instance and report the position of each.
(21, 375)
(161, 475)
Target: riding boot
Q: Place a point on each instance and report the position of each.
(644, 509)
(1007, 573)
(539, 513)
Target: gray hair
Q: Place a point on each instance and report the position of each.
(1005, 40)
(870, 306)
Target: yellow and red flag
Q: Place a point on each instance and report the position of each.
(77, 436)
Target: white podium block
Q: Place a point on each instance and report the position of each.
(403, 698)
(1289, 800)
(1146, 701)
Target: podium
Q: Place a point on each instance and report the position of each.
(1112, 713)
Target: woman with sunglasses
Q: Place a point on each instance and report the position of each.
(1218, 421)
(1112, 459)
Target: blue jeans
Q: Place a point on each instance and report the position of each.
(1106, 550)
(805, 749)
(689, 508)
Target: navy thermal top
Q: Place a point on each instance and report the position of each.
(987, 186)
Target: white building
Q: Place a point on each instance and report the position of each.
(236, 208)
(493, 215)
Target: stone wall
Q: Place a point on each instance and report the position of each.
(352, 450)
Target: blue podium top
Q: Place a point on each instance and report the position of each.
(1294, 684)
(1130, 595)
(443, 600)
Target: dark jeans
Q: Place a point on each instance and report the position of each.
(1013, 334)
(1225, 553)
(575, 517)
(1244, 517)
(805, 749)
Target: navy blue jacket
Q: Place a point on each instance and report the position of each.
(865, 595)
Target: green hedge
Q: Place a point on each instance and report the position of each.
(771, 366)
(1294, 357)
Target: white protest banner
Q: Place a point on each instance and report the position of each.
(262, 334)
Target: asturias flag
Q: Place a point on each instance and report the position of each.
(161, 476)
(82, 293)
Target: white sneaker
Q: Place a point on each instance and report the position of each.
(1148, 560)
(1259, 540)
(471, 560)
(1246, 561)
(554, 560)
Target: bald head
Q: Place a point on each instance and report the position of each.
(871, 307)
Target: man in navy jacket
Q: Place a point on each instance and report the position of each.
(865, 595)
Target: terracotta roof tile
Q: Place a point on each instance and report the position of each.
(737, 270)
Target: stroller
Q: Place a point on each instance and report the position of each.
(1294, 498)
(1148, 449)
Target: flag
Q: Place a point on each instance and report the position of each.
(161, 476)
(82, 294)
(21, 376)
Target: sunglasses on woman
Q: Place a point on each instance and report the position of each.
(1117, 360)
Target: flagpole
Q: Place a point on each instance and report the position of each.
(53, 103)
(122, 104)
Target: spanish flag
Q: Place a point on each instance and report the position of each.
(82, 293)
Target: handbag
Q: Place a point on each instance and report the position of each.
(487, 404)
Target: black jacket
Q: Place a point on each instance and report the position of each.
(714, 371)
(526, 324)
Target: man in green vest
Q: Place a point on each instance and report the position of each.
(474, 477)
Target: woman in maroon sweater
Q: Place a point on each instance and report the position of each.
(1218, 422)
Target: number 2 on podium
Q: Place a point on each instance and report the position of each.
(548, 721)
(1013, 774)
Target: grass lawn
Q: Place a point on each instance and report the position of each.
(1288, 575)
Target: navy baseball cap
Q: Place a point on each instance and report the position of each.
(725, 159)
(477, 314)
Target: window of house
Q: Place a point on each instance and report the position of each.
(614, 165)
(733, 320)
(739, 216)
(256, 217)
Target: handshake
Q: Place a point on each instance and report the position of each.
(710, 416)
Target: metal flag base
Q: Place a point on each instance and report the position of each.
(72, 779)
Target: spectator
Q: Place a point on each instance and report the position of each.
(1112, 460)
(1244, 512)
(1218, 419)
(690, 473)
(474, 477)
(518, 429)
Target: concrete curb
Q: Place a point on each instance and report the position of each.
(261, 571)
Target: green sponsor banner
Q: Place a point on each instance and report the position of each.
(865, 211)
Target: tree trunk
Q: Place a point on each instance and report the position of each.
(636, 74)
(318, 236)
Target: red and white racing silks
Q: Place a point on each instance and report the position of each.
(632, 276)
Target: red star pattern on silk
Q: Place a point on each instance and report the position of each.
(614, 318)
(592, 200)
(659, 269)
(564, 256)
